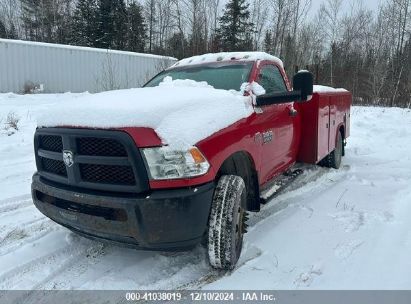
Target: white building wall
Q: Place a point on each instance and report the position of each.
(59, 68)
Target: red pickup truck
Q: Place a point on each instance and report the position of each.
(117, 185)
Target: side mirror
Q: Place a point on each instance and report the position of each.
(303, 82)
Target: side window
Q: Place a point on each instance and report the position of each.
(271, 80)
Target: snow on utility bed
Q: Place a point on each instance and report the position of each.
(182, 112)
(325, 89)
(333, 229)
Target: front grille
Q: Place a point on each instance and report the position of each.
(95, 146)
(106, 174)
(102, 160)
(51, 143)
(53, 166)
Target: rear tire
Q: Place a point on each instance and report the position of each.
(333, 160)
(227, 222)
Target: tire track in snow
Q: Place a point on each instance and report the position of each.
(307, 183)
(214, 274)
(12, 278)
(44, 266)
(25, 234)
(14, 204)
(161, 271)
(75, 266)
(21, 224)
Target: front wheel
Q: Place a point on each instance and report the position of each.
(227, 222)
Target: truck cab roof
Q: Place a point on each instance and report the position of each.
(227, 57)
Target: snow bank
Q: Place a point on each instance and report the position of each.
(325, 89)
(182, 112)
(241, 56)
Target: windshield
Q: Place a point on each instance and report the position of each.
(220, 76)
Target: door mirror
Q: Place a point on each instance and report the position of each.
(303, 82)
(277, 98)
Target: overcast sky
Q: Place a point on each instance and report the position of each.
(372, 4)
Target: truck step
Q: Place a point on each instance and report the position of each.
(278, 185)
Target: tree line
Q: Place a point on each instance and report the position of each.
(365, 51)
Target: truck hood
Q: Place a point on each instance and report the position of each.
(181, 112)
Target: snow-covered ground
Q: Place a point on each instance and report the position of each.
(345, 229)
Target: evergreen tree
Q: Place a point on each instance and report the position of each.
(152, 20)
(104, 32)
(64, 24)
(12, 33)
(215, 42)
(136, 28)
(84, 24)
(197, 41)
(235, 28)
(112, 24)
(31, 19)
(42, 20)
(119, 24)
(268, 41)
(177, 46)
(3, 32)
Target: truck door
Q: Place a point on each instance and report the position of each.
(276, 124)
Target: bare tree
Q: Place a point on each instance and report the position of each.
(259, 18)
(10, 16)
(331, 11)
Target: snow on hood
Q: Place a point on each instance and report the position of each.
(182, 112)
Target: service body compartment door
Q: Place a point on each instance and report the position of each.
(321, 118)
(333, 123)
(323, 127)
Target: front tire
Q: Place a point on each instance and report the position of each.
(227, 222)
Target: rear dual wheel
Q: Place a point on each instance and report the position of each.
(227, 222)
(333, 160)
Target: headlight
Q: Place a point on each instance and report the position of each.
(165, 163)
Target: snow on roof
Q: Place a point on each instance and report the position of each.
(82, 48)
(325, 89)
(182, 112)
(216, 57)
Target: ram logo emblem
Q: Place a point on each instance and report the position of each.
(68, 158)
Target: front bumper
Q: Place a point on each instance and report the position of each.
(162, 220)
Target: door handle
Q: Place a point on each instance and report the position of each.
(292, 112)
